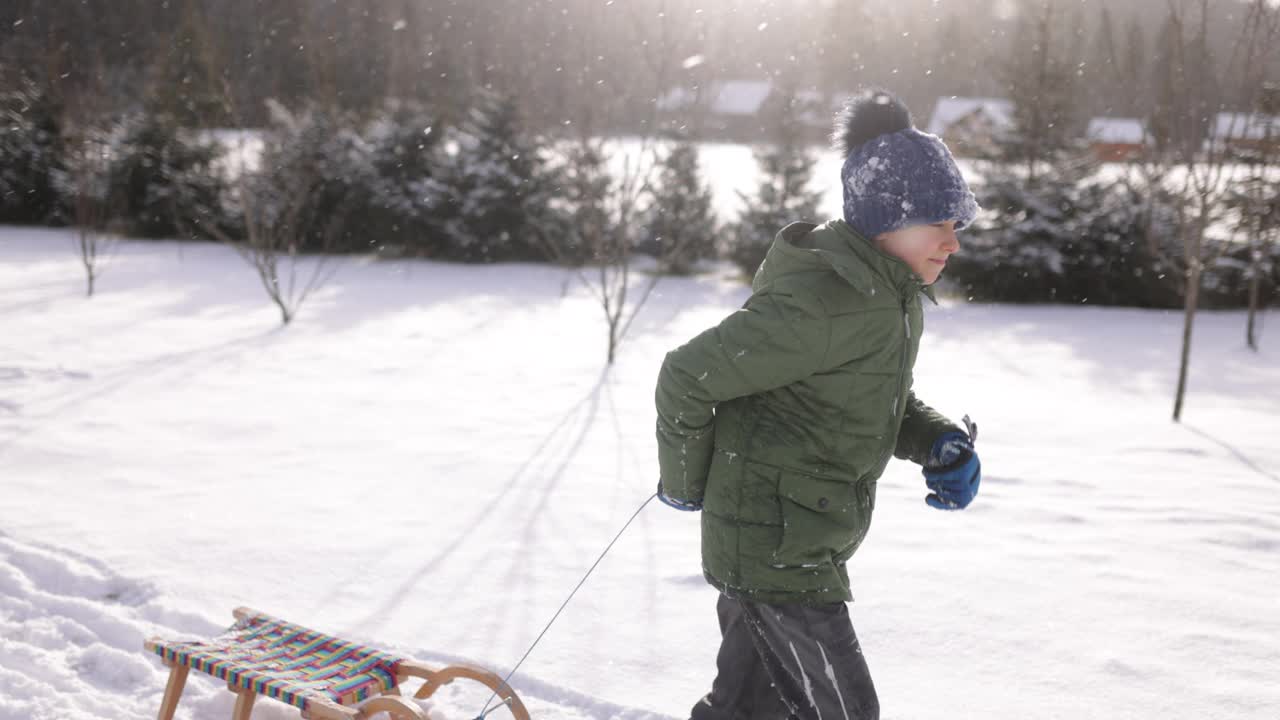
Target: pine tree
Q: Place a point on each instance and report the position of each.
(1053, 231)
(316, 175)
(592, 233)
(1134, 66)
(164, 183)
(679, 225)
(1103, 73)
(839, 59)
(783, 196)
(1075, 42)
(32, 156)
(1071, 237)
(405, 153)
(1184, 89)
(186, 84)
(1041, 85)
(496, 193)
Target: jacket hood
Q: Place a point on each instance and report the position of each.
(806, 247)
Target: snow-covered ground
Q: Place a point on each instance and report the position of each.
(430, 457)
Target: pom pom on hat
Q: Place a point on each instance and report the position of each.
(867, 116)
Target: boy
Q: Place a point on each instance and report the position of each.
(778, 422)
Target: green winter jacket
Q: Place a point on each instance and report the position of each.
(781, 418)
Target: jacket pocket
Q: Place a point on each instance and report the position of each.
(866, 497)
(821, 519)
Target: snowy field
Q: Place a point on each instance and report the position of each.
(430, 457)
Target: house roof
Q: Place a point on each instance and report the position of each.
(735, 97)
(677, 98)
(1245, 126)
(950, 110)
(1120, 131)
(818, 109)
(740, 97)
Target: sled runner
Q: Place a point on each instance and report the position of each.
(325, 677)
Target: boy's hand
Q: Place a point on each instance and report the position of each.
(686, 505)
(953, 472)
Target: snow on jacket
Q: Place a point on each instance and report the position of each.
(781, 419)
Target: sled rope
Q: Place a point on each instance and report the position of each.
(485, 712)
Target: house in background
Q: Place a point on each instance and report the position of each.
(971, 126)
(740, 110)
(1244, 134)
(1116, 139)
(722, 110)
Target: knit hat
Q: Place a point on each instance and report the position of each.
(894, 175)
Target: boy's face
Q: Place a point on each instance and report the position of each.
(924, 248)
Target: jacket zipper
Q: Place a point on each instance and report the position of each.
(897, 396)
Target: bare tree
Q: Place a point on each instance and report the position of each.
(1255, 202)
(598, 238)
(445, 47)
(1262, 222)
(1042, 88)
(606, 209)
(1265, 201)
(86, 177)
(88, 169)
(274, 224)
(1191, 94)
(273, 234)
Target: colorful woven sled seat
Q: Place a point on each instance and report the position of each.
(323, 676)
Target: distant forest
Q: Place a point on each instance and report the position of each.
(595, 65)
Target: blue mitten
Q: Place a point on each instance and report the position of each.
(953, 472)
(686, 505)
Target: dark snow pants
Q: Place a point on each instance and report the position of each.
(780, 662)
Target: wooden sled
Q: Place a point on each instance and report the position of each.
(326, 678)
